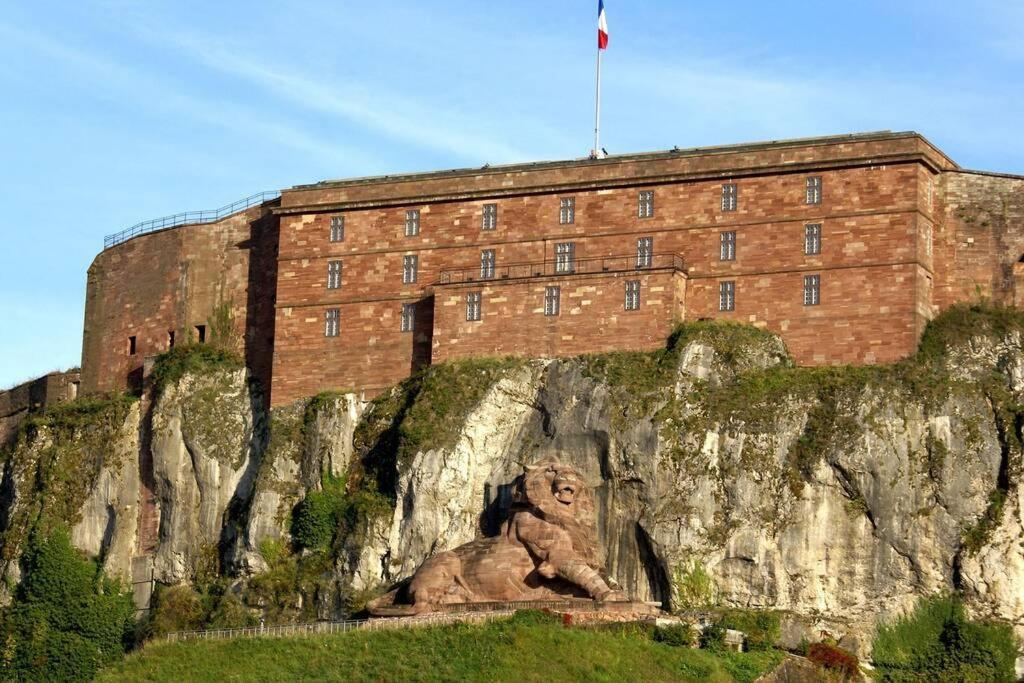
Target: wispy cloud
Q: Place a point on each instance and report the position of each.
(151, 92)
(367, 106)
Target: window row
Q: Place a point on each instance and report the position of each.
(565, 262)
(565, 256)
(567, 209)
(474, 308)
(553, 300)
(727, 293)
(727, 242)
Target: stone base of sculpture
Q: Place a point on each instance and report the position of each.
(546, 551)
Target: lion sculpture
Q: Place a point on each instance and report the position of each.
(546, 550)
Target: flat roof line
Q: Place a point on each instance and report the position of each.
(613, 158)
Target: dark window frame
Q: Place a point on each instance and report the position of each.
(645, 204)
(632, 299)
(552, 300)
(727, 245)
(566, 210)
(489, 218)
(412, 222)
(727, 295)
(337, 231)
(474, 307)
(730, 196)
(812, 290)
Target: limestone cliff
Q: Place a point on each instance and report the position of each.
(723, 475)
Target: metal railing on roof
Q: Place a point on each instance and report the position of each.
(557, 268)
(188, 218)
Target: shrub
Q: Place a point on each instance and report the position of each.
(677, 635)
(192, 359)
(760, 626)
(176, 608)
(67, 619)
(713, 637)
(938, 642)
(316, 518)
(833, 658)
(694, 587)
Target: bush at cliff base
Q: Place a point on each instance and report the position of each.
(938, 643)
(67, 619)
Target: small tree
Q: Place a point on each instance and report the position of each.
(67, 619)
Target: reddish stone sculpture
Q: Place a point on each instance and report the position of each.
(546, 550)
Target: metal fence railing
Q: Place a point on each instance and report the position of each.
(555, 267)
(330, 627)
(188, 218)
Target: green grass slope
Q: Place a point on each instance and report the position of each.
(526, 647)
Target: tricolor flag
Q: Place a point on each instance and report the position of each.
(602, 27)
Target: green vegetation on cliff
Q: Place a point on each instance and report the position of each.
(67, 619)
(192, 359)
(527, 647)
(939, 643)
(55, 460)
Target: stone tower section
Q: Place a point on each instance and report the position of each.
(156, 290)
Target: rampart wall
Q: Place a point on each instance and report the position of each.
(903, 233)
(163, 288)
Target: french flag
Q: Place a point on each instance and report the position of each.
(602, 27)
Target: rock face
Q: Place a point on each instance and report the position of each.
(720, 473)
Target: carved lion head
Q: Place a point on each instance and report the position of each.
(557, 493)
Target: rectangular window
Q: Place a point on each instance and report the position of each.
(812, 290)
(408, 317)
(726, 296)
(645, 204)
(729, 196)
(170, 339)
(632, 295)
(473, 306)
(812, 239)
(490, 217)
(332, 322)
(644, 252)
(333, 274)
(552, 300)
(727, 248)
(410, 266)
(567, 210)
(337, 228)
(814, 190)
(201, 333)
(486, 264)
(412, 222)
(565, 257)
(131, 346)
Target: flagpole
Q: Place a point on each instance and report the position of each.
(597, 110)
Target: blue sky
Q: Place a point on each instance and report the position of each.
(118, 111)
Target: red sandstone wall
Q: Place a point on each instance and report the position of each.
(173, 280)
(981, 239)
(592, 317)
(870, 243)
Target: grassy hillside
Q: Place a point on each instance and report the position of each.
(527, 647)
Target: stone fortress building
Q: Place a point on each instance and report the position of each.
(845, 246)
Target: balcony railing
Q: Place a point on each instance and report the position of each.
(188, 218)
(553, 268)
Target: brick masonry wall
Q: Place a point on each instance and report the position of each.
(980, 239)
(904, 234)
(591, 319)
(173, 280)
(20, 401)
(870, 247)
